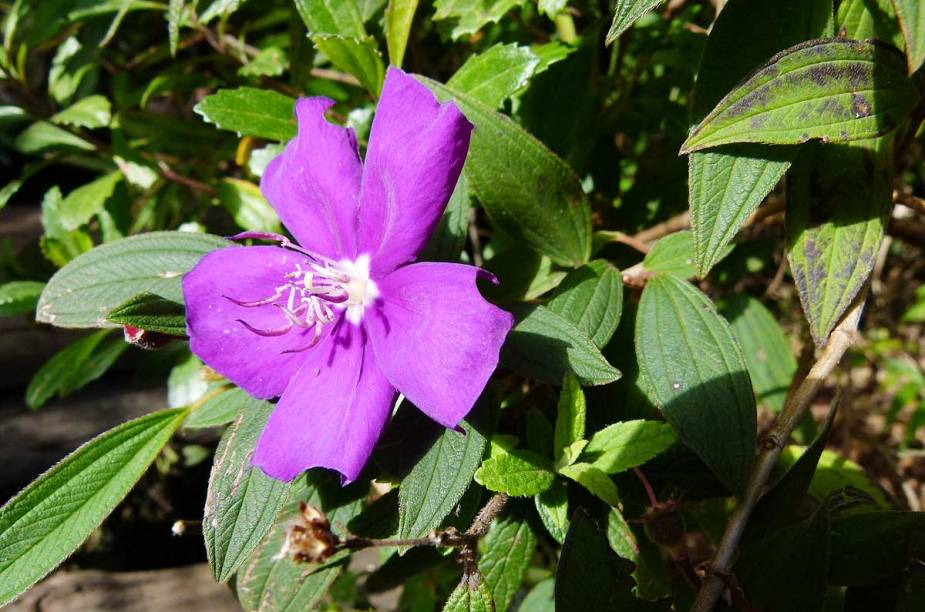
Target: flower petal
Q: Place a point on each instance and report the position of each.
(416, 150)
(436, 338)
(246, 274)
(315, 183)
(331, 414)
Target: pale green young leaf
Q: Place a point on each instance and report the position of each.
(242, 501)
(357, 56)
(438, 480)
(546, 346)
(625, 14)
(770, 360)
(834, 90)
(80, 205)
(570, 417)
(269, 62)
(471, 15)
(673, 254)
(695, 373)
(626, 444)
(247, 206)
(591, 297)
(594, 480)
(398, 17)
(220, 410)
(551, 8)
(470, 598)
(251, 112)
(495, 75)
(527, 191)
(516, 472)
(90, 112)
(84, 292)
(570, 453)
(552, 507)
(336, 17)
(838, 201)
(540, 598)
(911, 14)
(19, 297)
(48, 520)
(505, 554)
(185, 383)
(43, 136)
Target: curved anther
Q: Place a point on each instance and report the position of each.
(262, 302)
(313, 342)
(279, 331)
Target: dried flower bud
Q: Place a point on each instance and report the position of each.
(150, 341)
(309, 538)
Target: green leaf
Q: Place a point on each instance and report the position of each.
(570, 417)
(649, 573)
(398, 17)
(82, 204)
(251, 112)
(220, 410)
(84, 292)
(545, 346)
(338, 17)
(863, 19)
(437, 482)
(449, 239)
(540, 597)
(242, 501)
(626, 444)
(911, 16)
(594, 480)
(272, 581)
(90, 112)
(505, 554)
(835, 90)
(515, 472)
(470, 598)
(696, 374)
(495, 75)
(247, 206)
(527, 191)
(42, 136)
(727, 184)
(471, 15)
(48, 520)
(673, 254)
(871, 546)
(73, 367)
(770, 360)
(358, 56)
(152, 313)
(174, 17)
(625, 14)
(552, 506)
(268, 62)
(590, 576)
(796, 556)
(19, 297)
(591, 297)
(838, 201)
(834, 473)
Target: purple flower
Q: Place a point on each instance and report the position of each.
(340, 323)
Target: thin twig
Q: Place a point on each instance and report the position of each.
(486, 515)
(672, 225)
(841, 338)
(622, 238)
